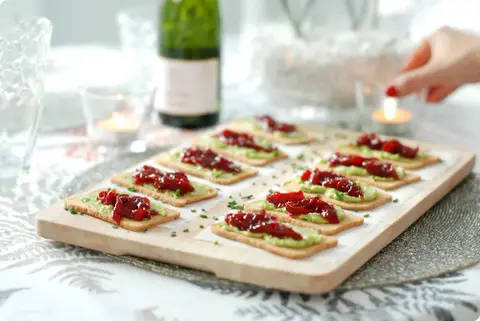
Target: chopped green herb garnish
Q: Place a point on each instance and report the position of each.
(115, 226)
(247, 197)
(270, 191)
(193, 210)
(204, 210)
(230, 196)
(339, 195)
(73, 212)
(173, 234)
(274, 176)
(366, 215)
(215, 218)
(66, 209)
(132, 189)
(298, 167)
(395, 200)
(177, 193)
(81, 213)
(216, 243)
(108, 189)
(201, 226)
(233, 205)
(204, 216)
(185, 230)
(301, 157)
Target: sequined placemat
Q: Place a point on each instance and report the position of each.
(444, 240)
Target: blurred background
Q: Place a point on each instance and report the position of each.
(296, 59)
(90, 45)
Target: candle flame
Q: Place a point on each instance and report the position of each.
(119, 120)
(390, 108)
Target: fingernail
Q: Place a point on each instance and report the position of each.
(391, 91)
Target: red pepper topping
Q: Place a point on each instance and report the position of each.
(163, 181)
(296, 204)
(374, 166)
(230, 137)
(133, 207)
(332, 180)
(261, 222)
(281, 199)
(207, 158)
(270, 125)
(392, 146)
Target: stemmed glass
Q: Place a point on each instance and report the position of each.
(24, 48)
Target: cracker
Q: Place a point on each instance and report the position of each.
(409, 178)
(428, 160)
(381, 199)
(246, 172)
(328, 242)
(165, 196)
(242, 158)
(241, 126)
(349, 220)
(75, 203)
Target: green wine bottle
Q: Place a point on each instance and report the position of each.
(189, 89)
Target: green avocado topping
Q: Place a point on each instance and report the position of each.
(360, 171)
(91, 201)
(175, 157)
(200, 189)
(298, 134)
(369, 192)
(310, 217)
(310, 236)
(244, 151)
(367, 151)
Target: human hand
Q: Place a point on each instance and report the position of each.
(444, 61)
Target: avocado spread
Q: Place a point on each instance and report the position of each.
(91, 201)
(310, 236)
(369, 193)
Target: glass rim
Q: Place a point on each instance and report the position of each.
(113, 93)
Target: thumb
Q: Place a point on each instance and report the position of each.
(415, 81)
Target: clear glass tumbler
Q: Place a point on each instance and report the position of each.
(24, 48)
(115, 115)
(137, 28)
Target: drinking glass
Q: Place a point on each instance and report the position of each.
(115, 115)
(24, 48)
(387, 115)
(138, 39)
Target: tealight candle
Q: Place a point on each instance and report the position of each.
(391, 119)
(118, 128)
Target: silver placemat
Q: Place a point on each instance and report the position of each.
(446, 239)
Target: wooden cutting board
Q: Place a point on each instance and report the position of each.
(199, 248)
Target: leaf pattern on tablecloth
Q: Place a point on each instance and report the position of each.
(426, 297)
(21, 247)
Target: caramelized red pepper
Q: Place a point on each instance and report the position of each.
(280, 199)
(133, 207)
(270, 125)
(296, 204)
(163, 181)
(332, 180)
(372, 165)
(261, 222)
(207, 158)
(392, 146)
(233, 138)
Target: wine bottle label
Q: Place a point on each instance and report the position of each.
(187, 87)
